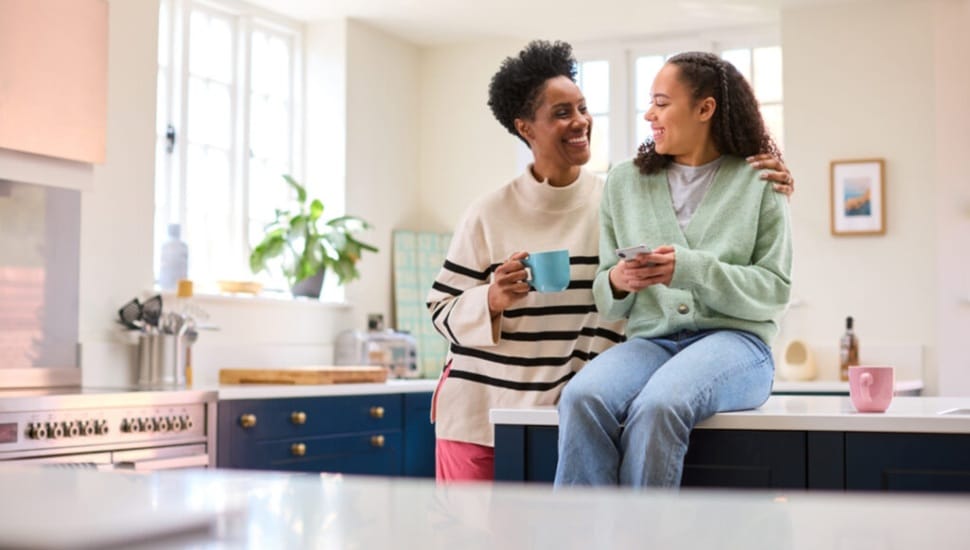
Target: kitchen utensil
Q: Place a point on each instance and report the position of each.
(151, 310)
(130, 315)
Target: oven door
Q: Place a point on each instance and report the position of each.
(176, 457)
(140, 460)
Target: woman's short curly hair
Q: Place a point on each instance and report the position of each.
(736, 127)
(515, 89)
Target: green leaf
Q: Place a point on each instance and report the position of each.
(300, 190)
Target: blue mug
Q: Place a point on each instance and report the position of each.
(548, 271)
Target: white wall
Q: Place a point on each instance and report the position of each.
(464, 151)
(383, 126)
(952, 80)
(116, 216)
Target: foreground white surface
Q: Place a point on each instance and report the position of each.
(810, 413)
(270, 510)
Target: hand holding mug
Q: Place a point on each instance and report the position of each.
(508, 284)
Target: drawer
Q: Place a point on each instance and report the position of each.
(315, 416)
(362, 453)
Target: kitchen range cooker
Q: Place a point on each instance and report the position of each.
(140, 429)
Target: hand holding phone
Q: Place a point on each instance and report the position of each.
(631, 252)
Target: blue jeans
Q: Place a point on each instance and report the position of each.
(626, 417)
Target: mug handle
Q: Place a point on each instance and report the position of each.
(866, 381)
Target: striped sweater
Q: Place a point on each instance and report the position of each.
(524, 356)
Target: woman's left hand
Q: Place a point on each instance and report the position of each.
(775, 171)
(656, 268)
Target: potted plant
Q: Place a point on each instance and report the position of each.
(306, 245)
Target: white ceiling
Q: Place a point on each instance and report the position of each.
(435, 22)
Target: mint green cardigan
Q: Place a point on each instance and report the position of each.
(733, 260)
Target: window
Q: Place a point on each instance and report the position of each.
(227, 129)
(625, 73)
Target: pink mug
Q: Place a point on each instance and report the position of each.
(871, 388)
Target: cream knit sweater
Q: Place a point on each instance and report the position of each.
(525, 356)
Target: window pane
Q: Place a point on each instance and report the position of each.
(209, 215)
(210, 108)
(767, 74)
(774, 120)
(643, 130)
(594, 81)
(210, 50)
(269, 128)
(600, 145)
(646, 70)
(741, 59)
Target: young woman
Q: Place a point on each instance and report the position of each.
(702, 304)
(511, 346)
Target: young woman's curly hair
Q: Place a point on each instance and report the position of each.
(515, 89)
(736, 127)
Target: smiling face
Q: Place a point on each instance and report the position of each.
(680, 123)
(559, 132)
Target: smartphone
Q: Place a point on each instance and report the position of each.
(631, 252)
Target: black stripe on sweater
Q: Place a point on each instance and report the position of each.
(584, 260)
(440, 287)
(563, 335)
(512, 360)
(549, 310)
(498, 382)
(467, 271)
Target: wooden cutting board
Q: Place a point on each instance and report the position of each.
(304, 375)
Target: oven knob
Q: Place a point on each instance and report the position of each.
(101, 428)
(147, 425)
(37, 431)
(71, 429)
(54, 430)
(87, 427)
(131, 425)
(161, 425)
(176, 424)
(187, 422)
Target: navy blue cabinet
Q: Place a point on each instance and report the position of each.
(715, 458)
(379, 434)
(766, 459)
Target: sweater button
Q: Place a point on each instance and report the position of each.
(683, 309)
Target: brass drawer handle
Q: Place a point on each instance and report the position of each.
(247, 420)
(298, 417)
(298, 449)
(377, 412)
(377, 441)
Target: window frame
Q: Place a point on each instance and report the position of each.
(622, 55)
(172, 179)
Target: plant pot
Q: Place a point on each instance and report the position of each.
(309, 287)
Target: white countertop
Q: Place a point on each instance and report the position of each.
(912, 386)
(277, 510)
(810, 413)
(273, 391)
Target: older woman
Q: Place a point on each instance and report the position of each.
(512, 346)
(702, 306)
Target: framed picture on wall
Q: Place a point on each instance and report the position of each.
(858, 197)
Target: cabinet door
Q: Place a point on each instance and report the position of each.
(907, 462)
(745, 459)
(363, 453)
(245, 424)
(419, 439)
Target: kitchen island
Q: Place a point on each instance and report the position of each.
(228, 509)
(814, 442)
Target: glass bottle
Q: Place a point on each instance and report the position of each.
(848, 350)
(174, 259)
